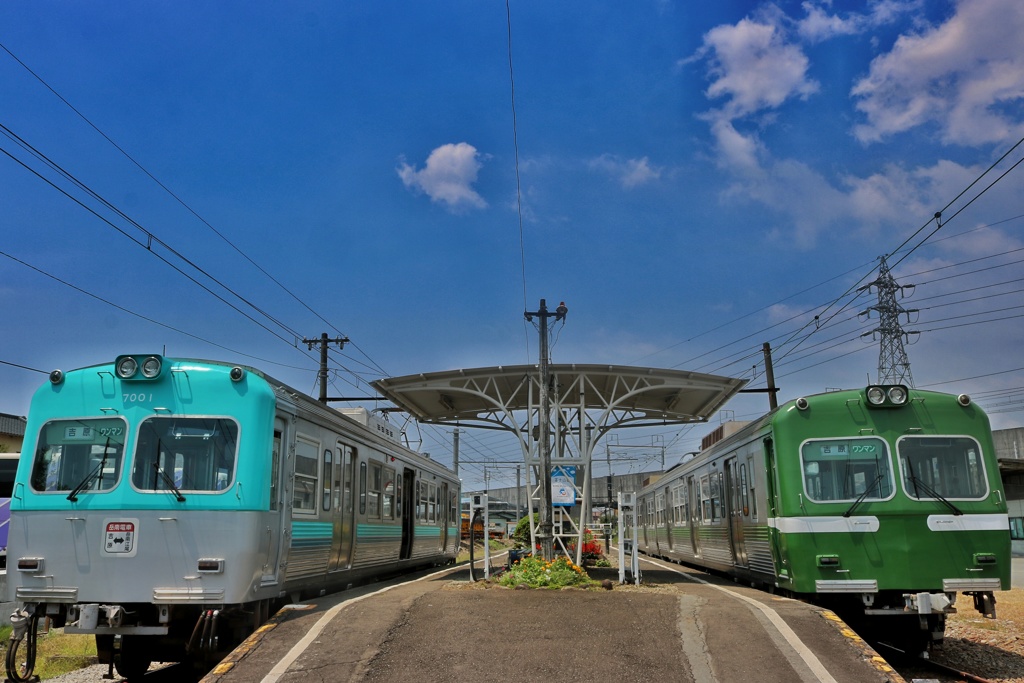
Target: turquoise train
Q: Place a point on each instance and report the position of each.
(168, 506)
(883, 503)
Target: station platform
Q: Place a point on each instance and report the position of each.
(679, 625)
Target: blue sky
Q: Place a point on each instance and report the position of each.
(692, 179)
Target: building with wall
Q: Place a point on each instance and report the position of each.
(1010, 451)
(12, 433)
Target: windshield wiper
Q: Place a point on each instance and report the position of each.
(929, 490)
(861, 497)
(170, 482)
(934, 494)
(98, 470)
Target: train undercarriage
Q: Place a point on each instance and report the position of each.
(131, 637)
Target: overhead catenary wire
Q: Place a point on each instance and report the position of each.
(519, 190)
(184, 204)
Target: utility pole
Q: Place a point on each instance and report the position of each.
(769, 373)
(893, 364)
(546, 525)
(455, 452)
(322, 342)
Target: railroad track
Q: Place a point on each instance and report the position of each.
(911, 668)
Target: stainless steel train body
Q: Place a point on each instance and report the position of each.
(881, 501)
(172, 503)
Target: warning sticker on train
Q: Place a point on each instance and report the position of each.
(120, 537)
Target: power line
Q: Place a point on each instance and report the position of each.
(186, 206)
(519, 191)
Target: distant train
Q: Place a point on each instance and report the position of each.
(168, 506)
(882, 502)
(8, 466)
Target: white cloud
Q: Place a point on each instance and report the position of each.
(754, 67)
(818, 25)
(966, 76)
(447, 177)
(629, 172)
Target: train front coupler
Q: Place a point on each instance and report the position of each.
(23, 624)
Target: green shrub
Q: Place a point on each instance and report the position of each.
(534, 572)
(521, 536)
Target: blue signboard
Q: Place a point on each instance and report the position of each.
(563, 488)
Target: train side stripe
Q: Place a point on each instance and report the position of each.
(836, 525)
(824, 525)
(968, 522)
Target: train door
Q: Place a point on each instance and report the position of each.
(408, 512)
(734, 512)
(771, 485)
(442, 516)
(693, 506)
(667, 510)
(278, 508)
(343, 507)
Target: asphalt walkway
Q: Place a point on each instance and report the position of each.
(681, 625)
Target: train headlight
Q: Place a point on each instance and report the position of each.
(126, 367)
(56, 377)
(151, 367)
(139, 367)
(237, 374)
(898, 395)
(887, 395)
(964, 400)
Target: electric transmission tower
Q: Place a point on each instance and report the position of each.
(893, 364)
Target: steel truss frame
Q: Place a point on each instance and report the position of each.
(586, 402)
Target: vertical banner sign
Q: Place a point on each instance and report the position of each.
(563, 489)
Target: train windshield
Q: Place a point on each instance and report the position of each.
(942, 467)
(79, 455)
(186, 453)
(838, 470)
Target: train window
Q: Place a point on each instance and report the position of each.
(432, 504)
(679, 505)
(275, 468)
(388, 494)
(659, 507)
(752, 490)
(1017, 528)
(362, 488)
(82, 455)
(942, 467)
(743, 489)
(716, 495)
(373, 492)
(328, 478)
(428, 503)
(187, 453)
(846, 469)
(306, 465)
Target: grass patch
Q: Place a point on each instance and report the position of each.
(57, 653)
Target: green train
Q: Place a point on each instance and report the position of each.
(882, 503)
